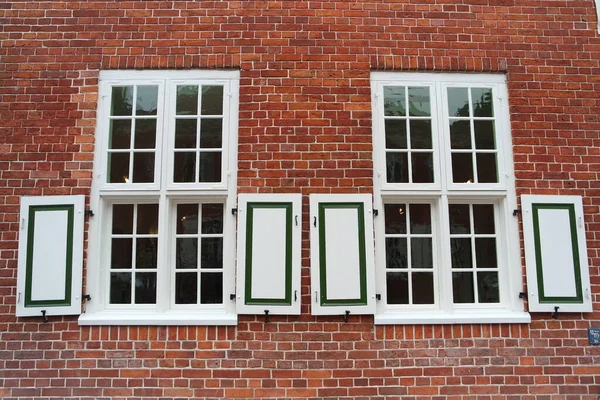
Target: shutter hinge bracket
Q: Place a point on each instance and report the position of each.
(266, 316)
(232, 296)
(378, 296)
(555, 313)
(516, 212)
(522, 295)
(88, 212)
(346, 315)
(375, 213)
(234, 211)
(44, 316)
(86, 297)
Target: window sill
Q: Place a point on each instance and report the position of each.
(479, 317)
(177, 318)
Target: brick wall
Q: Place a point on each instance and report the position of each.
(304, 123)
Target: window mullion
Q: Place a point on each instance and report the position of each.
(445, 265)
(166, 246)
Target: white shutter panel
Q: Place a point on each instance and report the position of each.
(556, 254)
(50, 256)
(269, 240)
(341, 253)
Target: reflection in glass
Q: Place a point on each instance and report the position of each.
(210, 167)
(395, 218)
(419, 102)
(461, 254)
(484, 135)
(422, 288)
(487, 287)
(460, 134)
(482, 102)
(121, 253)
(486, 168)
(458, 102)
(212, 218)
(143, 167)
(420, 134)
(186, 253)
(462, 168)
(146, 251)
(211, 133)
(422, 167)
(147, 220)
(394, 101)
(485, 253)
(185, 133)
(211, 288)
(395, 134)
(122, 100)
(212, 100)
(122, 219)
(185, 167)
(120, 134)
(397, 167)
(187, 100)
(146, 102)
(459, 218)
(120, 288)
(187, 218)
(186, 288)
(396, 253)
(211, 253)
(462, 287)
(397, 287)
(118, 168)
(145, 288)
(421, 250)
(145, 134)
(420, 218)
(483, 218)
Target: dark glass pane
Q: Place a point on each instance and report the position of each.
(462, 168)
(118, 167)
(484, 135)
(122, 220)
(211, 133)
(397, 288)
(458, 102)
(422, 167)
(420, 134)
(487, 287)
(120, 134)
(394, 101)
(146, 250)
(460, 249)
(147, 99)
(459, 218)
(420, 218)
(145, 288)
(419, 101)
(143, 167)
(186, 256)
(421, 250)
(395, 218)
(462, 287)
(482, 102)
(483, 218)
(186, 288)
(147, 219)
(396, 253)
(460, 134)
(486, 168)
(212, 218)
(210, 167)
(211, 288)
(422, 288)
(212, 100)
(185, 167)
(187, 100)
(187, 218)
(397, 167)
(395, 134)
(122, 100)
(485, 253)
(121, 252)
(211, 253)
(120, 288)
(185, 133)
(145, 134)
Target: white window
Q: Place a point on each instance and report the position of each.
(447, 248)
(161, 248)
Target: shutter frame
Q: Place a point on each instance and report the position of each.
(64, 241)
(552, 281)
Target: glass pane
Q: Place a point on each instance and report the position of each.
(462, 287)
(395, 134)
(147, 99)
(458, 102)
(487, 287)
(395, 218)
(211, 253)
(122, 220)
(122, 100)
(422, 288)
(421, 250)
(145, 134)
(118, 167)
(120, 288)
(422, 167)
(394, 101)
(420, 134)
(486, 168)
(484, 135)
(211, 133)
(397, 167)
(187, 100)
(185, 133)
(186, 256)
(396, 253)
(145, 288)
(397, 288)
(460, 134)
(143, 167)
(485, 253)
(462, 168)
(420, 218)
(186, 288)
(185, 167)
(460, 249)
(121, 252)
(210, 167)
(146, 250)
(419, 102)
(187, 218)
(211, 288)
(147, 219)
(459, 218)
(483, 218)
(212, 100)
(212, 218)
(482, 102)
(120, 134)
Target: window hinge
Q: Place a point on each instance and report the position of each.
(516, 212)
(88, 212)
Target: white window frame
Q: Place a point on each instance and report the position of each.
(442, 192)
(167, 194)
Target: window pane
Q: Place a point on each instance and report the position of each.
(487, 287)
(147, 99)
(211, 288)
(462, 168)
(211, 133)
(145, 134)
(486, 168)
(420, 218)
(212, 100)
(122, 100)
(419, 102)
(394, 101)
(420, 134)
(143, 167)
(120, 288)
(485, 253)
(122, 220)
(422, 288)
(458, 102)
(482, 102)
(146, 251)
(460, 134)
(396, 253)
(187, 218)
(186, 288)
(461, 253)
(121, 252)
(212, 218)
(459, 218)
(147, 219)
(185, 167)
(187, 253)
(483, 218)
(397, 167)
(118, 168)
(484, 135)
(120, 134)
(397, 288)
(210, 167)
(185, 133)
(421, 250)
(395, 218)
(187, 100)
(395, 134)
(211, 253)
(145, 288)
(422, 167)
(462, 287)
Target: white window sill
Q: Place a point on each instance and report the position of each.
(478, 317)
(153, 318)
